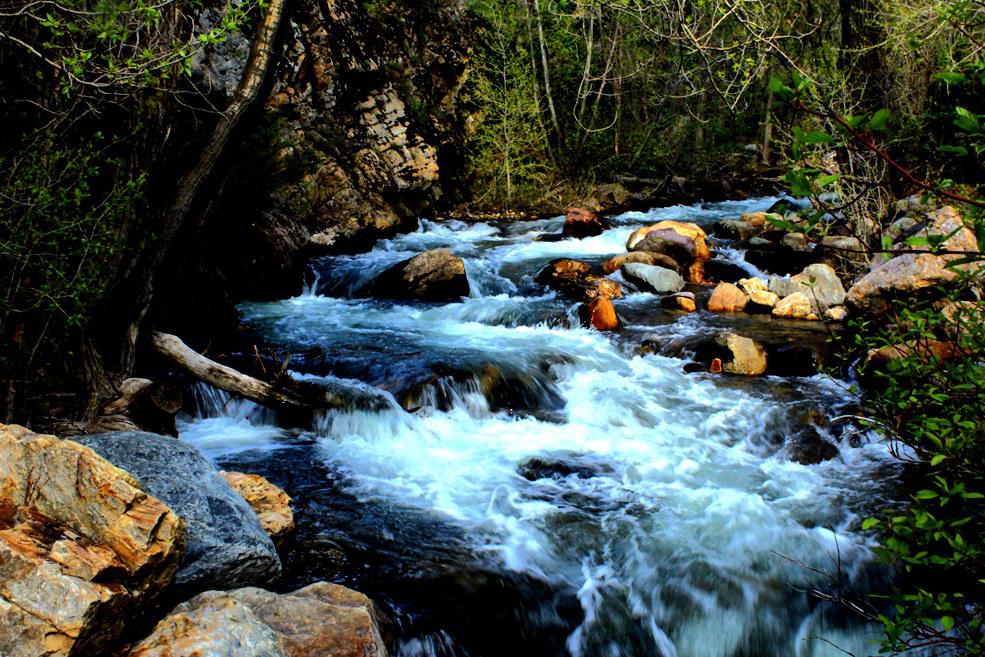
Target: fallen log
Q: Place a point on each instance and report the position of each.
(300, 397)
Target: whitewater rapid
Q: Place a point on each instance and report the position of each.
(633, 508)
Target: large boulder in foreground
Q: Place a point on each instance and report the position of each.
(227, 546)
(579, 223)
(650, 278)
(82, 546)
(272, 505)
(901, 277)
(436, 275)
(321, 620)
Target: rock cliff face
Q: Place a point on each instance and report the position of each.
(351, 142)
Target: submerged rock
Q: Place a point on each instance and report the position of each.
(581, 223)
(649, 278)
(82, 547)
(272, 505)
(748, 357)
(227, 546)
(436, 275)
(321, 620)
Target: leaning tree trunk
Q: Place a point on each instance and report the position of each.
(132, 298)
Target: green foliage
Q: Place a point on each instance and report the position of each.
(61, 213)
(931, 402)
(509, 155)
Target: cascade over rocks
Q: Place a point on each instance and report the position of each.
(649, 278)
(436, 275)
(579, 223)
(227, 546)
(321, 620)
(82, 547)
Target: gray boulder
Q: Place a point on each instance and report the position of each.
(227, 547)
(650, 278)
(818, 281)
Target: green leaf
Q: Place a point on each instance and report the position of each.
(827, 179)
(925, 495)
(966, 120)
(938, 459)
(947, 622)
(880, 120)
(960, 151)
(949, 77)
(869, 523)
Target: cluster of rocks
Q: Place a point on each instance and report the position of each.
(97, 534)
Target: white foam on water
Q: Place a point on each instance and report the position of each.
(663, 501)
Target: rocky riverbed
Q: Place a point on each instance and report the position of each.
(575, 435)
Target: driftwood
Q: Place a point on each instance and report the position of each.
(297, 398)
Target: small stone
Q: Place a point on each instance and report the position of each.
(836, 314)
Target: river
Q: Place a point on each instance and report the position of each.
(551, 491)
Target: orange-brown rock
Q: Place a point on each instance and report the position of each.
(683, 301)
(692, 231)
(272, 505)
(727, 298)
(81, 545)
(580, 223)
(748, 356)
(599, 314)
(796, 306)
(321, 620)
(575, 279)
(640, 257)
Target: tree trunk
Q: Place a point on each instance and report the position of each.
(132, 298)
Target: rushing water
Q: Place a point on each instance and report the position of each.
(551, 491)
